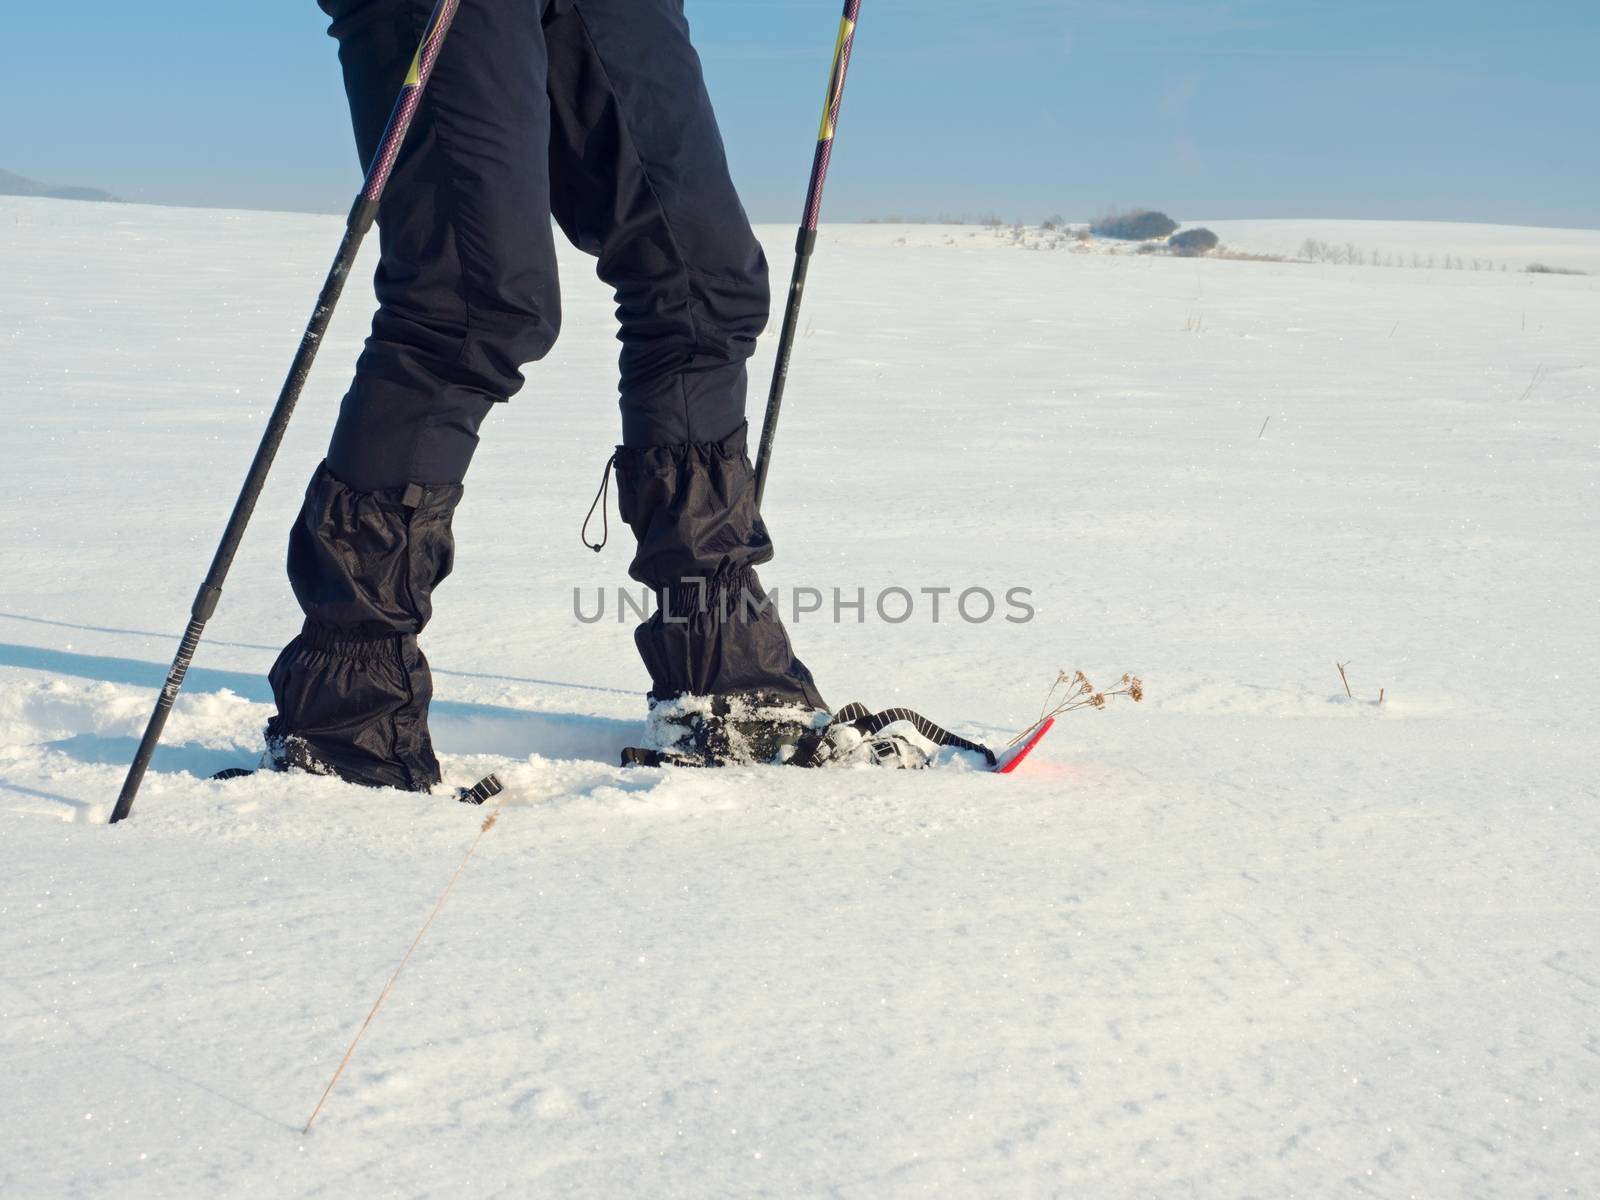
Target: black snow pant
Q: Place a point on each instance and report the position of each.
(593, 111)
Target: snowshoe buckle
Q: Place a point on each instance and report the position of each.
(485, 788)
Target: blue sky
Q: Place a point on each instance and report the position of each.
(1402, 109)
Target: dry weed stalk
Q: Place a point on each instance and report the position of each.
(1538, 374)
(488, 824)
(1074, 691)
(1346, 680)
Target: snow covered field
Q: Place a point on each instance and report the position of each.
(1248, 938)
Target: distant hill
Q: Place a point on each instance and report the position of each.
(12, 184)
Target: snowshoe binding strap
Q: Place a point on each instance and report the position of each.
(815, 749)
(638, 756)
(487, 787)
(852, 734)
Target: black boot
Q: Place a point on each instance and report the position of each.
(353, 688)
(714, 634)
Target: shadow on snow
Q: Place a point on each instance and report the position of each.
(458, 727)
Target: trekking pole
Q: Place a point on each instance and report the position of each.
(806, 241)
(356, 225)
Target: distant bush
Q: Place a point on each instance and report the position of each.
(1348, 254)
(1138, 225)
(1542, 269)
(1192, 242)
(1246, 256)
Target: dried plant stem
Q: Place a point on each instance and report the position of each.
(1074, 691)
(1342, 676)
(488, 824)
(1532, 383)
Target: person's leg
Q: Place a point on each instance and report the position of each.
(467, 293)
(639, 179)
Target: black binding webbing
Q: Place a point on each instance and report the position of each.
(859, 716)
(486, 787)
(636, 756)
